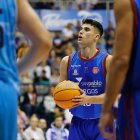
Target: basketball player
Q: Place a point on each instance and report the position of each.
(87, 67)
(124, 72)
(12, 13)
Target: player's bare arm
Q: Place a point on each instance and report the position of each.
(63, 69)
(120, 61)
(29, 23)
(84, 99)
(122, 51)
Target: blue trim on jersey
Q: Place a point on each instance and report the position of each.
(89, 75)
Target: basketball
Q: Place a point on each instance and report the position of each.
(64, 92)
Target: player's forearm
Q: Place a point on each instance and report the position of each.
(114, 85)
(97, 99)
(33, 57)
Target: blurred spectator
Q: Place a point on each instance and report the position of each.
(25, 79)
(58, 44)
(56, 64)
(52, 57)
(43, 4)
(69, 49)
(57, 130)
(55, 77)
(20, 135)
(68, 118)
(43, 125)
(33, 132)
(35, 78)
(22, 50)
(47, 69)
(49, 105)
(58, 111)
(77, 28)
(38, 69)
(22, 118)
(49, 101)
(28, 105)
(80, 4)
(109, 37)
(43, 79)
(42, 68)
(68, 31)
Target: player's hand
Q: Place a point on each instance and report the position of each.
(106, 122)
(82, 99)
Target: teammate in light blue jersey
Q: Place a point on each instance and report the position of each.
(124, 72)
(87, 67)
(17, 13)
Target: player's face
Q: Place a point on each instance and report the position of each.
(87, 35)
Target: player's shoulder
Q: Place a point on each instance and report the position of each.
(109, 57)
(65, 59)
(108, 60)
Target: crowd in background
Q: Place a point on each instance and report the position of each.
(70, 4)
(39, 118)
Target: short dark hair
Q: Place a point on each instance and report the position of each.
(94, 23)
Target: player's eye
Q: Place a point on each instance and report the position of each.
(87, 29)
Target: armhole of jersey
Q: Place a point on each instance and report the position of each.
(68, 64)
(104, 65)
(134, 7)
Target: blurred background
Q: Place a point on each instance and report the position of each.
(63, 19)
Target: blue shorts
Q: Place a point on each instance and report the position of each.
(8, 112)
(128, 122)
(85, 129)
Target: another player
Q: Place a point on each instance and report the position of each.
(124, 72)
(87, 67)
(17, 13)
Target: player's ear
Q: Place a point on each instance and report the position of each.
(97, 37)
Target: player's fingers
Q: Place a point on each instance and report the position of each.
(82, 91)
(106, 134)
(77, 100)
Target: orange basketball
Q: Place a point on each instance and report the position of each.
(64, 92)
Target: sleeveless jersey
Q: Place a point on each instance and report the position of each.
(89, 74)
(133, 76)
(8, 66)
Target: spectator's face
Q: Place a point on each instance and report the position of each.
(88, 35)
(58, 60)
(58, 122)
(42, 124)
(30, 88)
(33, 122)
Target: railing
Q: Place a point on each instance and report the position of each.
(41, 89)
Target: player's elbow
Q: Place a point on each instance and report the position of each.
(45, 42)
(121, 62)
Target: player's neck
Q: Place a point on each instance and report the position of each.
(88, 52)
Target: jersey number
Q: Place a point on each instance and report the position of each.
(1, 33)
